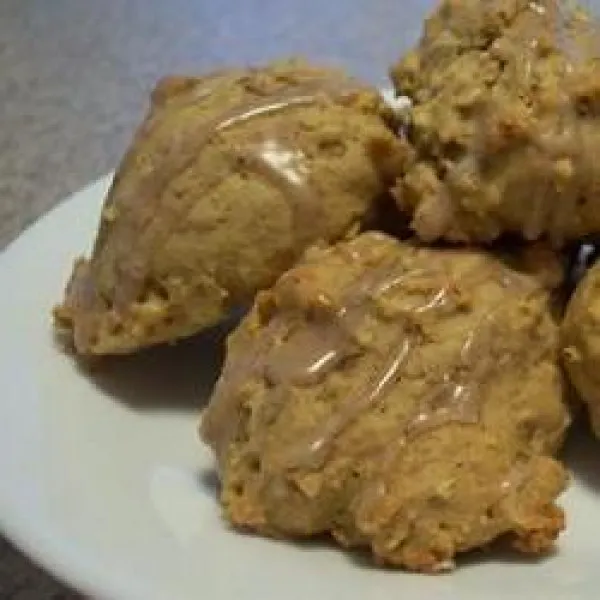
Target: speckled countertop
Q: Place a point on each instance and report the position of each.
(74, 76)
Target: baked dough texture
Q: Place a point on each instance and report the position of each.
(230, 177)
(580, 339)
(505, 130)
(403, 399)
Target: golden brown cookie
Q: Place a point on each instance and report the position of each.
(400, 398)
(580, 339)
(505, 128)
(230, 177)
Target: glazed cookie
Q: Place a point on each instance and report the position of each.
(505, 126)
(403, 399)
(228, 180)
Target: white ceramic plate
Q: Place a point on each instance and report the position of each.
(104, 482)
